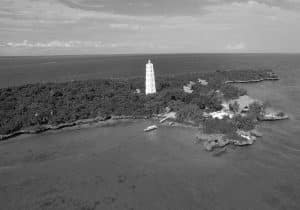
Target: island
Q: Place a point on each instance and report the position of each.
(224, 113)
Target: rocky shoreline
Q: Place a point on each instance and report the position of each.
(273, 118)
(211, 141)
(251, 81)
(214, 141)
(44, 128)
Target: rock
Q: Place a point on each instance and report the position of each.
(171, 123)
(272, 115)
(167, 116)
(243, 142)
(220, 152)
(214, 141)
(256, 133)
(272, 118)
(246, 138)
(208, 146)
(196, 141)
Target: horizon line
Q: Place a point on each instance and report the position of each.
(141, 54)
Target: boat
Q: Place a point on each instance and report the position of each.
(150, 128)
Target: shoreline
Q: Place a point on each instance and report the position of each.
(90, 121)
(251, 81)
(48, 127)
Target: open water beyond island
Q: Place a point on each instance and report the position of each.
(122, 167)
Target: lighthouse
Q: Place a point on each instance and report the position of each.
(150, 79)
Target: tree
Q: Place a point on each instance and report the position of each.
(235, 107)
(255, 110)
(223, 126)
(244, 122)
(189, 112)
(232, 92)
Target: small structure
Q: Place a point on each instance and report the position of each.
(202, 82)
(225, 106)
(150, 79)
(221, 114)
(243, 102)
(188, 88)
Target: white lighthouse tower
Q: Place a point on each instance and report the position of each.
(150, 79)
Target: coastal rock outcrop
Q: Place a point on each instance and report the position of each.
(256, 133)
(213, 141)
(271, 115)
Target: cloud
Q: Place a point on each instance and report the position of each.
(126, 26)
(166, 7)
(138, 7)
(54, 44)
(179, 26)
(236, 46)
(52, 12)
(73, 11)
(136, 45)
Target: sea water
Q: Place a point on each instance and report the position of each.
(122, 167)
(22, 70)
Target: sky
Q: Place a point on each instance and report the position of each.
(53, 27)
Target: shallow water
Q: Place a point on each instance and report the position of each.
(121, 167)
(124, 168)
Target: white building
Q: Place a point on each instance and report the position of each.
(188, 88)
(150, 79)
(202, 82)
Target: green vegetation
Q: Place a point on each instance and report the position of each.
(219, 126)
(256, 110)
(245, 121)
(55, 103)
(190, 112)
(228, 126)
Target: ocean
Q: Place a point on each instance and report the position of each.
(121, 167)
(21, 70)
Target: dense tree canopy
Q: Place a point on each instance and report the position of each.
(55, 103)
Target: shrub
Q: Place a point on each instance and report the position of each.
(175, 105)
(244, 123)
(189, 112)
(232, 92)
(235, 107)
(255, 110)
(53, 103)
(224, 126)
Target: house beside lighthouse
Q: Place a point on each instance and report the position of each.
(150, 79)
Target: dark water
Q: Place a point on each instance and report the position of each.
(121, 167)
(20, 70)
